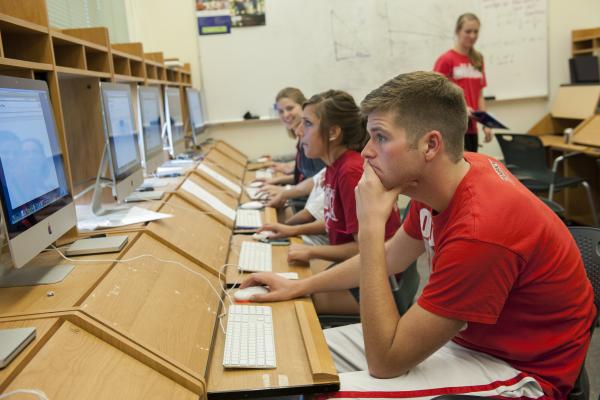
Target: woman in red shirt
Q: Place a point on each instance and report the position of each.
(333, 130)
(464, 66)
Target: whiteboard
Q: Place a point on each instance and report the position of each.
(356, 45)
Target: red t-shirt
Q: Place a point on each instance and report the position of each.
(504, 262)
(341, 178)
(458, 68)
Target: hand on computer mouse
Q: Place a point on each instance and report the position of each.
(279, 288)
(247, 294)
(278, 230)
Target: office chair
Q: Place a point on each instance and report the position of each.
(588, 242)
(525, 157)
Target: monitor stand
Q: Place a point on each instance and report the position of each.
(96, 205)
(29, 275)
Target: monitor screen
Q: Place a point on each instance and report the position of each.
(151, 121)
(120, 125)
(33, 183)
(195, 107)
(175, 114)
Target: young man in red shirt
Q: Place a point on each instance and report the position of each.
(508, 308)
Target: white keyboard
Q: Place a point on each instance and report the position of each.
(249, 341)
(248, 219)
(255, 257)
(264, 174)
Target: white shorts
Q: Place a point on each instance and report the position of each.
(453, 369)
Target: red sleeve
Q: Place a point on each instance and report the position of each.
(411, 223)
(346, 184)
(443, 65)
(470, 281)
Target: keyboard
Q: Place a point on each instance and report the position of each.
(249, 341)
(248, 219)
(264, 174)
(144, 196)
(255, 257)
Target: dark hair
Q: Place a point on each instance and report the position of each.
(475, 56)
(422, 102)
(338, 108)
(295, 95)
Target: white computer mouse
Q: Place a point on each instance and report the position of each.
(255, 184)
(262, 159)
(252, 205)
(246, 294)
(262, 235)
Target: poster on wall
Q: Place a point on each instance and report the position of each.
(214, 16)
(247, 13)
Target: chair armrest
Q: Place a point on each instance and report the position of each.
(560, 159)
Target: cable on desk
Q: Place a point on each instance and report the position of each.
(37, 393)
(129, 260)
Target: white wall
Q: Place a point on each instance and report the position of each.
(168, 26)
(171, 26)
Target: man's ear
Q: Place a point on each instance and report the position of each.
(431, 144)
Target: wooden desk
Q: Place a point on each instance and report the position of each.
(583, 165)
(304, 364)
(231, 152)
(278, 260)
(75, 356)
(225, 164)
(200, 235)
(62, 295)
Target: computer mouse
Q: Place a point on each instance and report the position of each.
(252, 205)
(262, 159)
(264, 235)
(255, 184)
(246, 294)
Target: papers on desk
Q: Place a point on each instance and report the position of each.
(203, 195)
(87, 221)
(219, 178)
(159, 182)
(487, 119)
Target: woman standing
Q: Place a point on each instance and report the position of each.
(464, 66)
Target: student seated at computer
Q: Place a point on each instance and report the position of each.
(507, 309)
(333, 130)
(289, 107)
(313, 209)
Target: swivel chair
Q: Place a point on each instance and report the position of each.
(525, 157)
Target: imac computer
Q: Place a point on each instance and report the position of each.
(37, 207)
(194, 101)
(151, 126)
(174, 121)
(121, 150)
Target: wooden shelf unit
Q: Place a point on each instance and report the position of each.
(24, 45)
(156, 71)
(128, 62)
(585, 41)
(77, 56)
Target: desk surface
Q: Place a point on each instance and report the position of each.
(557, 142)
(153, 323)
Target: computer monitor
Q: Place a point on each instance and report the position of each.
(121, 142)
(584, 69)
(194, 101)
(174, 121)
(37, 207)
(150, 122)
